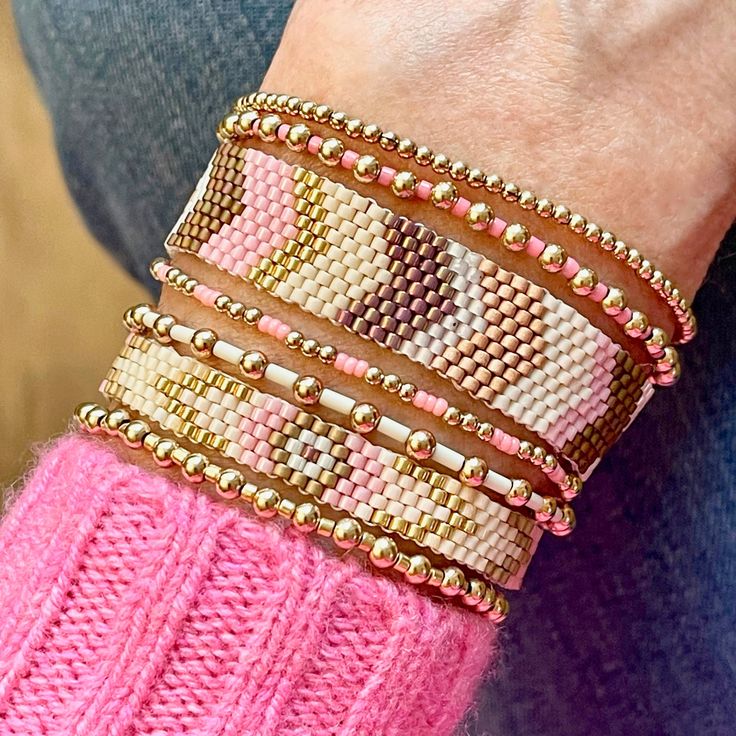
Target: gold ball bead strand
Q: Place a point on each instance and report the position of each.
(420, 444)
(307, 390)
(364, 417)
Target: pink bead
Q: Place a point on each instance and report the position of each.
(350, 364)
(557, 475)
(349, 158)
(535, 246)
(340, 361)
(362, 494)
(360, 368)
(440, 407)
(314, 143)
(461, 207)
(599, 293)
(373, 467)
(283, 331)
(357, 460)
(423, 189)
(624, 316)
(331, 496)
(386, 176)
(497, 227)
(570, 268)
(419, 399)
(348, 504)
(281, 132)
(345, 487)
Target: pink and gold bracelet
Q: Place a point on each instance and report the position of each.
(345, 532)
(493, 334)
(569, 483)
(262, 102)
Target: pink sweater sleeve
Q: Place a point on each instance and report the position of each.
(133, 605)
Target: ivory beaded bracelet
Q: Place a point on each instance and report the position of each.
(264, 102)
(345, 532)
(338, 467)
(569, 483)
(582, 280)
(572, 406)
(309, 391)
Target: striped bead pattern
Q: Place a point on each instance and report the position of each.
(338, 467)
(340, 256)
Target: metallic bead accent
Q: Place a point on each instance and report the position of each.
(306, 517)
(229, 482)
(510, 192)
(82, 411)
(194, 466)
(607, 241)
(228, 125)
(476, 178)
(266, 502)
(190, 285)
(638, 325)
(162, 328)
(328, 354)
(322, 113)
(388, 140)
(331, 151)
(453, 582)
(384, 552)
(573, 487)
(366, 169)
(500, 610)
(298, 136)
(423, 155)
(373, 376)
(268, 128)
(474, 471)
(469, 422)
(236, 310)
(162, 452)
(347, 533)
(419, 570)
(444, 195)
(545, 207)
(453, 416)
(526, 450)
(364, 417)
(244, 126)
(310, 347)
(458, 170)
(391, 383)
(548, 510)
(515, 237)
(407, 392)
(371, 133)
(494, 183)
(294, 340)
(553, 258)
(614, 302)
(404, 184)
(657, 342)
(577, 223)
(584, 281)
(527, 200)
(440, 163)
(475, 592)
(520, 493)
(592, 232)
(222, 303)
(354, 128)
(203, 342)
(485, 431)
(406, 148)
(253, 364)
(337, 120)
(252, 316)
(116, 420)
(561, 214)
(420, 444)
(479, 216)
(307, 390)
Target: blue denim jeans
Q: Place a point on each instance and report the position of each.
(628, 626)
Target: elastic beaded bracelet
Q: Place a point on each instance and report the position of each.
(527, 200)
(569, 483)
(309, 391)
(493, 334)
(345, 532)
(582, 280)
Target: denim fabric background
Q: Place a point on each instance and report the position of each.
(627, 627)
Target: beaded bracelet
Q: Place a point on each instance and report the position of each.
(582, 280)
(338, 467)
(476, 178)
(346, 533)
(365, 418)
(569, 483)
(517, 330)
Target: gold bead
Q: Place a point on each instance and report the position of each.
(573, 487)
(566, 525)
(526, 450)
(268, 128)
(203, 342)
(485, 431)
(469, 422)
(637, 325)
(384, 552)
(607, 241)
(338, 120)
(134, 432)
(190, 285)
(244, 126)
(420, 444)
(236, 310)
(155, 264)
(423, 155)
(347, 533)
(510, 192)
(82, 411)
(194, 467)
(252, 316)
(298, 136)
(116, 420)
(180, 279)
(440, 163)
(444, 195)
(406, 148)
(657, 342)
(306, 517)
(527, 200)
(545, 207)
(388, 140)
(229, 483)
(407, 392)
(577, 223)
(222, 303)
(475, 592)
(373, 375)
(474, 471)
(253, 364)
(322, 113)
(391, 383)
(294, 340)
(592, 232)
(458, 170)
(228, 125)
(162, 328)
(419, 570)
(476, 178)
(310, 347)
(307, 108)
(366, 169)
(478, 216)
(331, 151)
(553, 258)
(266, 502)
(614, 302)
(561, 214)
(584, 281)
(453, 416)
(162, 452)
(515, 237)
(493, 183)
(328, 354)
(548, 510)
(307, 390)
(354, 127)
(500, 610)
(364, 417)
(404, 184)
(453, 581)
(550, 463)
(520, 493)
(371, 133)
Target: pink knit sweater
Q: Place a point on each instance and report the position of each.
(132, 605)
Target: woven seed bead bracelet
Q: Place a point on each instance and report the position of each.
(516, 350)
(308, 390)
(345, 532)
(340, 468)
(406, 148)
(582, 280)
(569, 483)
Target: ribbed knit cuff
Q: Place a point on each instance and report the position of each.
(133, 605)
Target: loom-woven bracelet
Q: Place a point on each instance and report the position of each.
(466, 318)
(406, 148)
(338, 467)
(582, 280)
(345, 532)
(569, 483)
(309, 391)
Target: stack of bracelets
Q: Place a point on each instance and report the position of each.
(343, 467)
